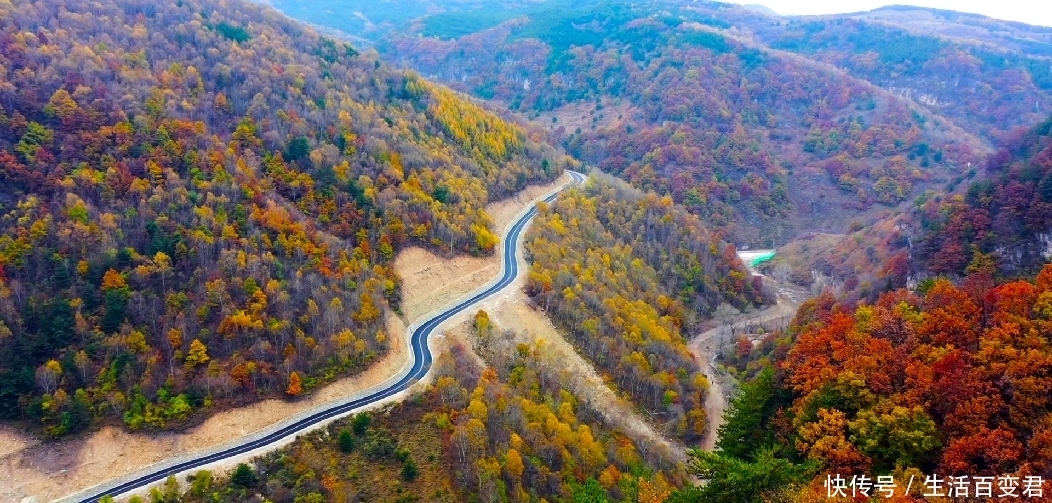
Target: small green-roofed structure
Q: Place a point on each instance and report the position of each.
(761, 259)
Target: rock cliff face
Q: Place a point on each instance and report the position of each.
(1025, 256)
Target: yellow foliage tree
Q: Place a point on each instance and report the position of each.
(197, 355)
(175, 338)
(513, 463)
(113, 280)
(477, 409)
(368, 312)
(137, 342)
(61, 105)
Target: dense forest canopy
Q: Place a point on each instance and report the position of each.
(944, 381)
(200, 203)
(761, 143)
(629, 276)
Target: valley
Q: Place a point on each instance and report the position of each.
(296, 251)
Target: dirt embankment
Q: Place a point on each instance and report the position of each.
(48, 471)
(430, 282)
(707, 344)
(512, 310)
(427, 286)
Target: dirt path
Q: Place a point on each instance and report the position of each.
(706, 346)
(514, 311)
(48, 471)
(427, 285)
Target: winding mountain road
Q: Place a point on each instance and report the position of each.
(422, 361)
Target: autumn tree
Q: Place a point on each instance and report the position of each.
(197, 355)
(295, 387)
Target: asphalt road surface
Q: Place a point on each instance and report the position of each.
(422, 360)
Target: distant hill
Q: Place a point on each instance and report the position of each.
(988, 76)
(761, 143)
(762, 9)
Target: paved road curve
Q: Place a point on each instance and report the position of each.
(422, 359)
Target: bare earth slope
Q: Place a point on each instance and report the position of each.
(706, 345)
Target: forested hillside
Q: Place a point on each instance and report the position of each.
(995, 219)
(740, 115)
(1003, 222)
(737, 114)
(629, 276)
(199, 202)
(506, 432)
(988, 76)
(760, 143)
(942, 381)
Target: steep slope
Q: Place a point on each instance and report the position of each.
(200, 201)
